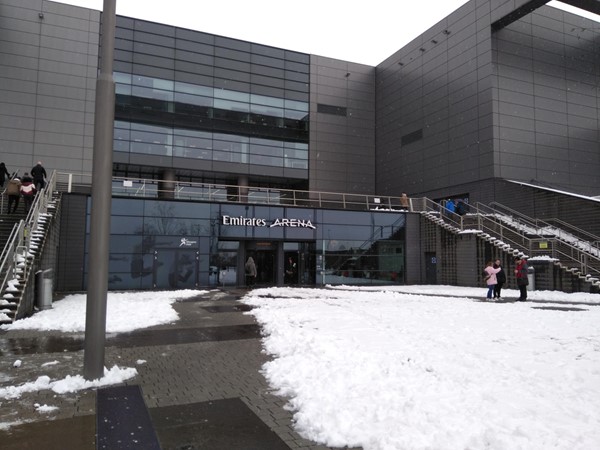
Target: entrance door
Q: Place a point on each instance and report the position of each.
(175, 269)
(291, 267)
(265, 267)
(430, 268)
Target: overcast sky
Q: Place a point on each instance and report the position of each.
(359, 31)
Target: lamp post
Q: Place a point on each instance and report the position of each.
(95, 320)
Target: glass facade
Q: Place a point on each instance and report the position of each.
(360, 247)
(161, 244)
(212, 111)
(188, 95)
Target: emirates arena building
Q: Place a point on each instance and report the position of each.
(225, 149)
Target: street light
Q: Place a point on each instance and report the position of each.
(95, 320)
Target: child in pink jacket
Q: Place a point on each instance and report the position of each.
(490, 279)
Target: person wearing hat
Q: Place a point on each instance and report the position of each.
(521, 275)
(27, 191)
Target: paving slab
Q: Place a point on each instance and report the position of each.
(199, 377)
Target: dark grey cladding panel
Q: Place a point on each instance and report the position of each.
(154, 61)
(195, 37)
(510, 12)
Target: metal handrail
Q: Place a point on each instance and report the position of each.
(564, 231)
(519, 233)
(18, 245)
(517, 230)
(183, 190)
(569, 232)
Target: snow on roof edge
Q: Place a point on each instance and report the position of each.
(585, 197)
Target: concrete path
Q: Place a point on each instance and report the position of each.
(201, 383)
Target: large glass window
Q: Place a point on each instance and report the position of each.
(148, 235)
(359, 248)
(276, 121)
(152, 140)
(192, 144)
(224, 263)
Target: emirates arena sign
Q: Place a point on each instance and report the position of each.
(256, 222)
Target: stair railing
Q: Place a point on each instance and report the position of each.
(536, 238)
(556, 228)
(3, 195)
(18, 246)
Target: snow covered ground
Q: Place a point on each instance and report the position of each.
(402, 367)
(390, 370)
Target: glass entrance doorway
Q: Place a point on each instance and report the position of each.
(265, 267)
(265, 258)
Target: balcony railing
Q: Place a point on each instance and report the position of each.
(511, 227)
(209, 192)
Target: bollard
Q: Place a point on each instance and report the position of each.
(43, 284)
(531, 278)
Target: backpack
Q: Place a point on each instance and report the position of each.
(486, 276)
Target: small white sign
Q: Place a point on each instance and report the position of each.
(127, 183)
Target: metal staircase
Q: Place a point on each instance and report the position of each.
(571, 249)
(22, 250)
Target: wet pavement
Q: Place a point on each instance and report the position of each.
(199, 381)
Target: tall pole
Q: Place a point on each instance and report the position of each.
(95, 319)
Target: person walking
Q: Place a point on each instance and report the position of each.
(404, 201)
(27, 191)
(490, 279)
(521, 275)
(39, 176)
(4, 175)
(500, 278)
(291, 272)
(250, 268)
(13, 190)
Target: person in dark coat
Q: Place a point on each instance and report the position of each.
(500, 279)
(250, 268)
(4, 175)
(39, 176)
(13, 190)
(291, 272)
(522, 280)
(27, 191)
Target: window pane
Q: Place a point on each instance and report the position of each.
(194, 89)
(265, 100)
(232, 95)
(231, 106)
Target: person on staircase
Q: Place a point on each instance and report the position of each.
(4, 175)
(39, 176)
(27, 191)
(13, 190)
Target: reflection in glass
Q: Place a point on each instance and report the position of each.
(156, 99)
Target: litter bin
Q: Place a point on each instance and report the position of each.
(531, 278)
(43, 284)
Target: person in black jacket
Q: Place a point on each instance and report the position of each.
(39, 176)
(500, 278)
(4, 175)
